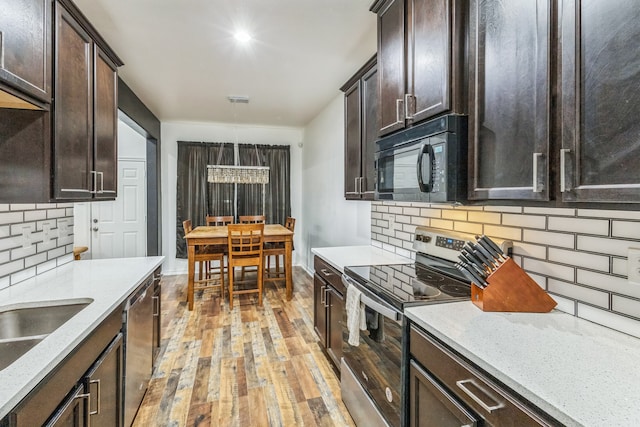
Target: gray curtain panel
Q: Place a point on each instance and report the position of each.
(196, 198)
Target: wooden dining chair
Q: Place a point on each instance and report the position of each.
(245, 246)
(276, 250)
(250, 219)
(204, 257)
(219, 220)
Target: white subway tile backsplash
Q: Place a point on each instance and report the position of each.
(11, 267)
(467, 227)
(549, 238)
(529, 250)
(21, 275)
(5, 231)
(65, 259)
(35, 260)
(626, 306)
(610, 320)
(525, 221)
(609, 214)
(606, 282)
(605, 246)
(580, 225)
(5, 257)
(619, 266)
(46, 266)
(10, 243)
(558, 271)
(23, 252)
(570, 290)
(441, 223)
(510, 209)
(625, 229)
(22, 206)
(11, 217)
(457, 215)
(549, 211)
(45, 205)
(507, 233)
(580, 259)
(5, 282)
(4, 207)
(35, 215)
(485, 217)
(578, 255)
(430, 213)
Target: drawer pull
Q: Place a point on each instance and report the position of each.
(326, 272)
(462, 385)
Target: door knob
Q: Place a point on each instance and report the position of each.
(95, 228)
(95, 220)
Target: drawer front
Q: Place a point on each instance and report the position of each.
(493, 403)
(329, 274)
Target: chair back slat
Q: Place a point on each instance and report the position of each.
(252, 219)
(245, 240)
(219, 220)
(187, 226)
(290, 223)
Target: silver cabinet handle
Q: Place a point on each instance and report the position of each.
(398, 109)
(407, 114)
(563, 167)
(326, 272)
(323, 295)
(98, 392)
(95, 182)
(462, 386)
(326, 300)
(101, 174)
(536, 157)
(156, 306)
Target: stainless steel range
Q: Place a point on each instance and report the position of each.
(371, 372)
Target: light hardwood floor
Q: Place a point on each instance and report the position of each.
(252, 366)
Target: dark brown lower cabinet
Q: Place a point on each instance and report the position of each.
(157, 318)
(328, 309)
(103, 384)
(73, 411)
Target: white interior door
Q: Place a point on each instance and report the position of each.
(118, 228)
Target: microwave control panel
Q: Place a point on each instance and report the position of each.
(439, 166)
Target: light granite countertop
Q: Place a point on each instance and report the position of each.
(580, 373)
(342, 256)
(106, 283)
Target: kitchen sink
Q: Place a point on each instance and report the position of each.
(24, 326)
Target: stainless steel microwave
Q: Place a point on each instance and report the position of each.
(425, 163)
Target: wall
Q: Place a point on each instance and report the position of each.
(172, 132)
(329, 219)
(20, 260)
(578, 255)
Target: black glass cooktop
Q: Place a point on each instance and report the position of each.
(409, 284)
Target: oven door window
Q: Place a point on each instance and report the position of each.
(376, 362)
(432, 404)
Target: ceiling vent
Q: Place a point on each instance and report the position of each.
(238, 99)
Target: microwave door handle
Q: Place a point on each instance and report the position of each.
(425, 187)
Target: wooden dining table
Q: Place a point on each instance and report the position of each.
(218, 235)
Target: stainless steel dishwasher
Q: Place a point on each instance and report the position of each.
(138, 348)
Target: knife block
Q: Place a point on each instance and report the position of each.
(511, 289)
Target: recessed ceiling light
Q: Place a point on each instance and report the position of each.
(242, 36)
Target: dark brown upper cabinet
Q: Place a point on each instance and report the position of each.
(361, 130)
(509, 99)
(600, 89)
(25, 54)
(420, 57)
(85, 114)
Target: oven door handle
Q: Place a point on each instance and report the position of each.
(368, 301)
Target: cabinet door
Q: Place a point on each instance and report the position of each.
(320, 309)
(25, 46)
(600, 109)
(157, 319)
(369, 132)
(105, 125)
(509, 95)
(103, 383)
(335, 313)
(72, 412)
(73, 117)
(391, 66)
(352, 141)
(428, 58)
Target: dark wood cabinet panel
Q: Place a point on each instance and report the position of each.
(73, 109)
(105, 125)
(600, 80)
(420, 61)
(73, 411)
(25, 47)
(320, 309)
(509, 99)
(336, 312)
(103, 384)
(361, 131)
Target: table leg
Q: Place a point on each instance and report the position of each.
(288, 248)
(192, 266)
